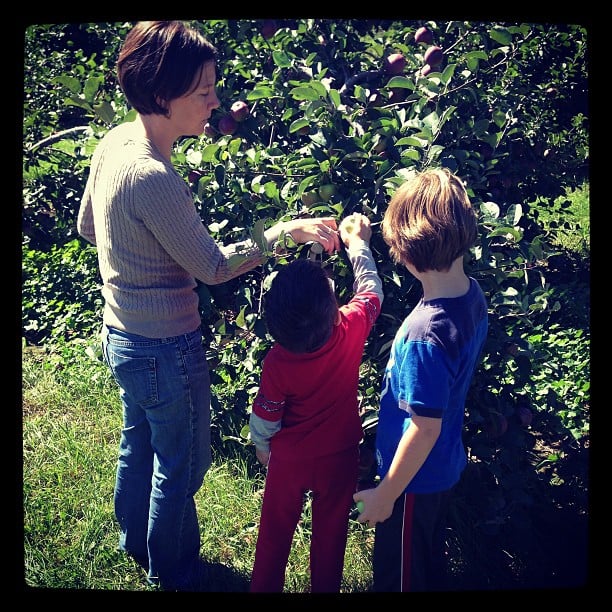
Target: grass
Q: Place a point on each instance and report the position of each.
(71, 424)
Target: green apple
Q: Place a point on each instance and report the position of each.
(327, 191)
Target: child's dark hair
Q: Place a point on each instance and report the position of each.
(300, 308)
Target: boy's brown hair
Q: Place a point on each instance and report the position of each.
(300, 308)
(430, 221)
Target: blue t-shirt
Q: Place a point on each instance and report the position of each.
(432, 361)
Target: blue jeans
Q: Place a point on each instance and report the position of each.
(164, 451)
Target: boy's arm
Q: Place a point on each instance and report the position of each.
(364, 269)
(414, 447)
(261, 432)
(355, 232)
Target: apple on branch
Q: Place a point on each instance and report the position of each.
(394, 63)
(423, 36)
(239, 110)
(433, 56)
(268, 28)
(227, 125)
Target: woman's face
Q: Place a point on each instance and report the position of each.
(191, 112)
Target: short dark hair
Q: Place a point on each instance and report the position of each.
(300, 308)
(159, 62)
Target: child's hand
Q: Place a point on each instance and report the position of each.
(262, 456)
(355, 227)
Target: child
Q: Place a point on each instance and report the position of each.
(305, 419)
(429, 226)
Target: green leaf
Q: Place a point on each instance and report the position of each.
(501, 35)
(258, 235)
(71, 83)
(335, 97)
(105, 112)
(303, 93)
(490, 210)
(281, 59)
(240, 319)
(209, 153)
(514, 214)
(412, 141)
(92, 85)
(400, 82)
(261, 92)
(298, 124)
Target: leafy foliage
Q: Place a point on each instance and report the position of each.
(330, 132)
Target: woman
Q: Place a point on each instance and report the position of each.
(152, 245)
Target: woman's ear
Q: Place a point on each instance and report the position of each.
(164, 104)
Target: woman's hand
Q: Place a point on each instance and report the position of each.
(323, 230)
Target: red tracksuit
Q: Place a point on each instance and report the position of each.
(317, 449)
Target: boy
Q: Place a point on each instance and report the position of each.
(305, 419)
(429, 226)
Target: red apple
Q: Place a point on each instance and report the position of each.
(366, 459)
(240, 110)
(497, 425)
(227, 125)
(433, 56)
(425, 70)
(268, 28)
(210, 131)
(394, 63)
(194, 176)
(423, 36)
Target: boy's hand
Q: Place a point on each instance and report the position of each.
(355, 227)
(262, 456)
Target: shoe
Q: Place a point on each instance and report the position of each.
(196, 582)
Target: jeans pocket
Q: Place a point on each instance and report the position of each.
(137, 377)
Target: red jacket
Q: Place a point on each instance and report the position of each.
(315, 394)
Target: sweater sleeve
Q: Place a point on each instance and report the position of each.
(85, 219)
(261, 431)
(165, 204)
(367, 278)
